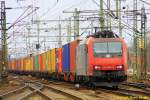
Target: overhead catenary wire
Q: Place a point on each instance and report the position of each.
(145, 2)
(124, 23)
(19, 20)
(49, 9)
(66, 7)
(19, 17)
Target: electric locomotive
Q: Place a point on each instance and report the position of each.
(102, 60)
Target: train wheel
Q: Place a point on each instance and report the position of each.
(72, 78)
(65, 77)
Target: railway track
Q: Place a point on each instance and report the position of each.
(34, 89)
(138, 85)
(120, 91)
(54, 91)
(124, 92)
(145, 87)
(51, 90)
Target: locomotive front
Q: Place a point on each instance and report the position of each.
(107, 59)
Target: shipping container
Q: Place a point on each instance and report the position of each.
(66, 58)
(36, 63)
(57, 56)
(49, 60)
(28, 64)
(33, 63)
(21, 64)
(44, 61)
(18, 64)
(40, 63)
(25, 65)
(73, 46)
(81, 59)
(14, 65)
(24, 61)
(53, 60)
(46, 68)
(60, 60)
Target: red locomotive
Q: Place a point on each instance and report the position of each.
(103, 60)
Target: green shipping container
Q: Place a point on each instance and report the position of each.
(37, 63)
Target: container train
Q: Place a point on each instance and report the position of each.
(99, 60)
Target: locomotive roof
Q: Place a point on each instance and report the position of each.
(104, 34)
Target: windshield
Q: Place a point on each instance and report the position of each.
(114, 48)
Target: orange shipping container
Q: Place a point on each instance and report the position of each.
(31, 63)
(73, 46)
(28, 67)
(53, 60)
(24, 64)
(14, 65)
(60, 60)
(27, 64)
(18, 64)
(21, 64)
(44, 61)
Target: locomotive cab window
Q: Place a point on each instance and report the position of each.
(100, 48)
(115, 48)
(103, 48)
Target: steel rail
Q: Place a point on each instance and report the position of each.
(11, 92)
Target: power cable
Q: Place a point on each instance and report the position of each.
(145, 2)
(124, 23)
(95, 2)
(49, 9)
(54, 13)
(22, 18)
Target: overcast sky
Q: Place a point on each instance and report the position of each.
(52, 9)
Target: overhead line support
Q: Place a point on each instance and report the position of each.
(4, 60)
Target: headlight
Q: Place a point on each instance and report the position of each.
(97, 67)
(119, 67)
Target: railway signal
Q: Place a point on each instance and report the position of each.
(141, 43)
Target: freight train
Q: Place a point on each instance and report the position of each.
(100, 59)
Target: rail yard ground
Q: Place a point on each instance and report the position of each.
(31, 88)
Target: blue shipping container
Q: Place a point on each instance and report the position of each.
(66, 58)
